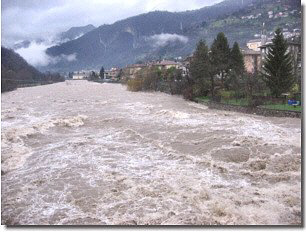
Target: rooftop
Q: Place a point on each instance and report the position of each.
(250, 52)
(254, 41)
(165, 62)
(288, 42)
(136, 65)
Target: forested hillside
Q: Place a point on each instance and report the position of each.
(132, 39)
(75, 32)
(247, 23)
(15, 72)
(168, 35)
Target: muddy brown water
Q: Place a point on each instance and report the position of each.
(89, 153)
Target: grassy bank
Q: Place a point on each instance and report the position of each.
(244, 102)
(282, 107)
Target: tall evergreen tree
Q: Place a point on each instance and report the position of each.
(237, 69)
(93, 76)
(200, 69)
(278, 66)
(236, 60)
(101, 73)
(220, 56)
(70, 75)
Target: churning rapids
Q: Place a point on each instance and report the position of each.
(86, 153)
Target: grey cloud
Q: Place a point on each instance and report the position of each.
(5, 4)
(160, 40)
(32, 19)
(35, 54)
(69, 58)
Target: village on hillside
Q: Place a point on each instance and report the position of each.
(254, 52)
(240, 80)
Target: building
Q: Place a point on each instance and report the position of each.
(165, 64)
(184, 70)
(252, 60)
(254, 44)
(130, 70)
(80, 75)
(258, 49)
(293, 47)
(111, 74)
(296, 32)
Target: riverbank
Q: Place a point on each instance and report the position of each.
(137, 85)
(251, 110)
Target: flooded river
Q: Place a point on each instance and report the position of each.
(88, 153)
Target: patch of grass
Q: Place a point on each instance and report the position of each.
(282, 107)
(236, 102)
(244, 102)
(217, 24)
(204, 99)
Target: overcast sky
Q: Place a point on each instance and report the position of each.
(31, 19)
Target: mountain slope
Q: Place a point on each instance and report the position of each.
(75, 32)
(71, 34)
(11, 61)
(247, 23)
(166, 34)
(129, 40)
(14, 70)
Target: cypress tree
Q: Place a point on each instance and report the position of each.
(277, 66)
(200, 68)
(102, 73)
(236, 60)
(237, 69)
(220, 55)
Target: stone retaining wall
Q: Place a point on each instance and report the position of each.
(256, 110)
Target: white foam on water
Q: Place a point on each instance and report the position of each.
(75, 156)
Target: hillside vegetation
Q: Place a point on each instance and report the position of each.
(15, 72)
(168, 35)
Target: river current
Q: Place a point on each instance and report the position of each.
(87, 153)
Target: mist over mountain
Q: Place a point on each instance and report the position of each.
(12, 62)
(162, 34)
(137, 38)
(16, 72)
(22, 44)
(34, 51)
(15, 68)
(75, 32)
(70, 34)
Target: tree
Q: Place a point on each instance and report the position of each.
(237, 69)
(277, 66)
(56, 77)
(236, 60)
(147, 78)
(200, 70)
(70, 75)
(93, 76)
(120, 74)
(102, 73)
(7, 79)
(220, 54)
(173, 78)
